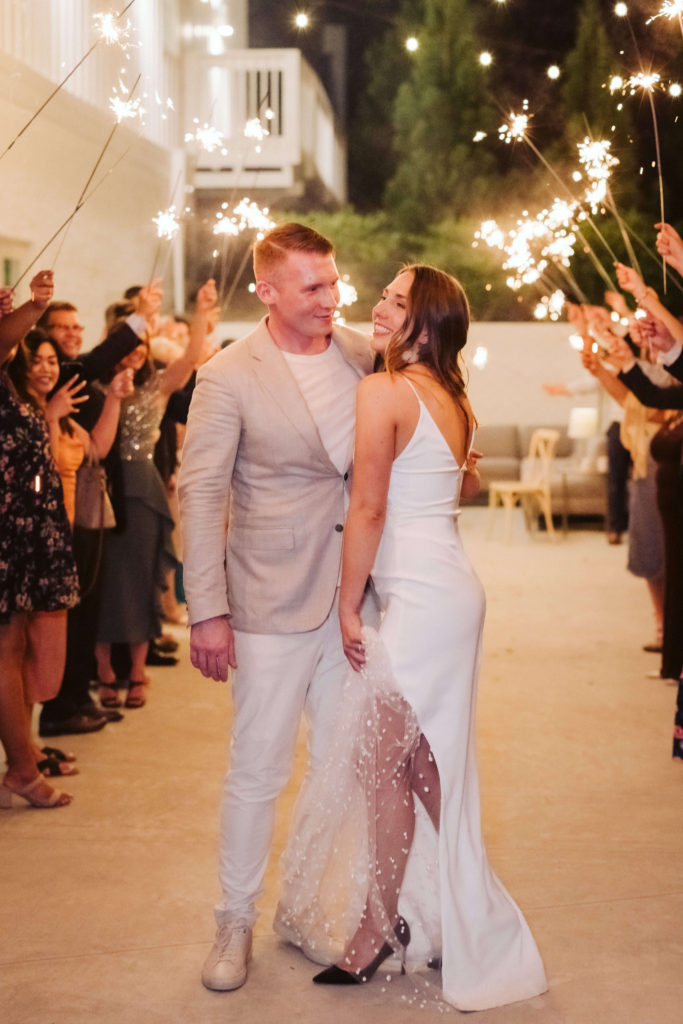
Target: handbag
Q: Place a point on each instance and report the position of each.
(94, 510)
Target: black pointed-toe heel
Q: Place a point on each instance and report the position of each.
(337, 976)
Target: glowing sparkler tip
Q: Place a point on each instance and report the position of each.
(110, 32)
(675, 89)
(125, 109)
(301, 19)
(167, 223)
(621, 10)
(208, 137)
(514, 129)
(253, 129)
(412, 44)
(553, 71)
(643, 80)
(485, 59)
(669, 9)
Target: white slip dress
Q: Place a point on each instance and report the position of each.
(424, 659)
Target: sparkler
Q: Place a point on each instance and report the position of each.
(648, 82)
(246, 216)
(168, 226)
(550, 306)
(124, 109)
(81, 201)
(598, 162)
(208, 137)
(347, 296)
(167, 223)
(101, 38)
(670, 9)
(515, 129)
(111, 33)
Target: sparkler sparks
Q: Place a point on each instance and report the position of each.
(208, 137)
(253, 129)
(247, 215)
(125, 108)
(550, 306)
(670, 9)
(598, 163)
(643, 80)
(514, 129)
(167, 223)
(111, 33)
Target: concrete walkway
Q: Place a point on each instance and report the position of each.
(105, 906)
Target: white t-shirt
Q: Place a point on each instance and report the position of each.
(328, 385)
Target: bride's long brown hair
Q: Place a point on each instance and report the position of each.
(436, 305)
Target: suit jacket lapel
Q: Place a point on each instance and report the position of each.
(274, 375)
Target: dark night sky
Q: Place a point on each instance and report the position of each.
(525, 35)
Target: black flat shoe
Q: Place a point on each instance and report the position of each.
(337, 976)
(159, 659)
(72, 726)
(53, 768)
(60, 755)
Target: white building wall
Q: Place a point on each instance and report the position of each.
(112, 241)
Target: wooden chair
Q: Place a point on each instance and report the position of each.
(532, 493)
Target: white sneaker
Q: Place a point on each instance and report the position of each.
(225, 968)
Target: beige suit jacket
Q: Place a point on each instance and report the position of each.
(261, 504)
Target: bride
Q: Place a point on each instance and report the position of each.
(386, 854)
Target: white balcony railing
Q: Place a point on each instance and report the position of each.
(51, 36)
(280, 89)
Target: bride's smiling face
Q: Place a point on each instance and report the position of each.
(389, 315)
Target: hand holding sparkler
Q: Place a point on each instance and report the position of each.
(6, 301)
(576, 316)
(617, 302)
(42, 288)
(590, 360)
(656, 334)
(149, 298)
(632, 282)
(670, 246)
(122, 385)
(207, 297)
(14, 323)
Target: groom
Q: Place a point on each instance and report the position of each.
(262, 496)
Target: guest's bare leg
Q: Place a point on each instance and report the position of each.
(138, 656)
(656, 589)
(21, 766)
(45, 655)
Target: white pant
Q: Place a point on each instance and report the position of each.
(278, 677)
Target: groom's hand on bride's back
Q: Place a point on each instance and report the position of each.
(212, 647)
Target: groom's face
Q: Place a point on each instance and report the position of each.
(303, 293)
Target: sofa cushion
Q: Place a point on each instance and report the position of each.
(498, 440)
(564, 444)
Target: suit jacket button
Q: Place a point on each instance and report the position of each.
(346, 476)
(339, 527)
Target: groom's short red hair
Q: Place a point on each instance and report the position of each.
(285, 238)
